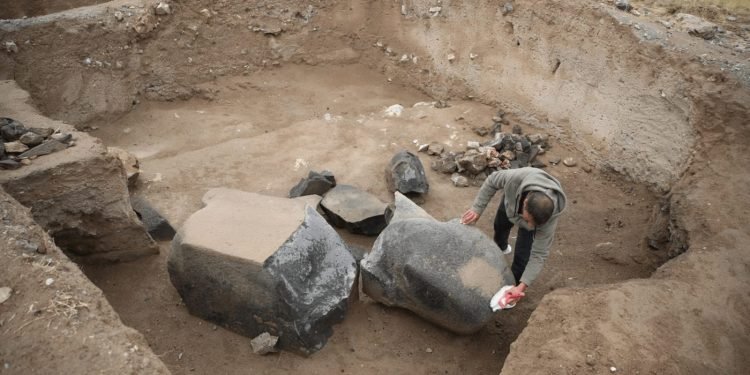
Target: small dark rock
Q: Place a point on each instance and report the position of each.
(533, 152)
(481, 131)
(315, 183)
(538, 164)
(406, 174)
(31, 139)
(158, 227)
(517, 129)
(435, 148)
(11, 129)
(623, 5)
(9, 164)
(523, 159)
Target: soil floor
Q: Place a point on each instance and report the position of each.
(265, 131)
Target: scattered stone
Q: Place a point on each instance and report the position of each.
(623, 5)
(538, 164)
(119, 16)
(459, 180)
(11, 47)
(435, 10)
(162, 9)
(10, 129)
(206, 13)
(158, 227)
(517, 129)
(507, 9)
(428, 350)
(49, 281)
(508, 155)
(423, 147)
(406, 174)
(446, 164)
(9, 164)
(586, 168)
(282, 269)
(15, 147)
(315, 183)
(440, 104)
(31, 139)
(697, 26)
(481, 130)
(5, 293)
(472, 145)
(435, 149)
(355, 210)
(554, 160)
(445, 272)
(474, 163)
(451, 57)
(264, 343)
(569, 162)
(45, 148)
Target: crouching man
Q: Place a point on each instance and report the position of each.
(532, 199)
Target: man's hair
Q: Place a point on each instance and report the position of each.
(540, 206)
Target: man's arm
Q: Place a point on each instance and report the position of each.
(539, 251)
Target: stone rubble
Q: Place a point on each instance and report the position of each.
(480, 159)
(17, 142)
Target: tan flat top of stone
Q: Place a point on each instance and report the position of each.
(245, 225)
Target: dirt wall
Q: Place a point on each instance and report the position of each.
(55, 320)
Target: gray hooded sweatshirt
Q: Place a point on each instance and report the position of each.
(514, 182)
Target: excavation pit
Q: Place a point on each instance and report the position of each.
(252, 96)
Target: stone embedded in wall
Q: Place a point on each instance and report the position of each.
(255, 264)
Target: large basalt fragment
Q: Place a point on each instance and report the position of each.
(355, 210)
(445, 272)
(256, 264)
(406, 175)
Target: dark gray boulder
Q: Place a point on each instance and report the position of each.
(406, 175)
(10, 129)
(355, 210)
(315, 183)
(158, 227)
(445, 272)
(255, 264)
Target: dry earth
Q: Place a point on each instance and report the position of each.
(207, 102)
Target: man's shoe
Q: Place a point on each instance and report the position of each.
(508, 250)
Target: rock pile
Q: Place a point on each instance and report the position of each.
(504, 151)
(18, 144)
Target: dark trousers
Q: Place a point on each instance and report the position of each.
(524, 240)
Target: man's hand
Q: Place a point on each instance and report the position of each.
(516, 293)
(470, 217)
